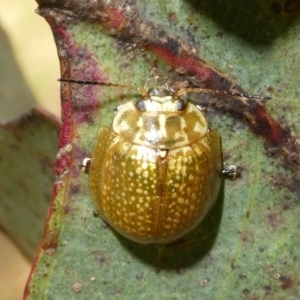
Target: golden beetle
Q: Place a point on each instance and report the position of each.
(155, 174)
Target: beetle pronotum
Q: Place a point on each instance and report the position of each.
(156, 173)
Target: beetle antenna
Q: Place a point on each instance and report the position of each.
(142, 91)
(216, 92)
(88, 82)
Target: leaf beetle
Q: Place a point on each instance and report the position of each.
(156, 173)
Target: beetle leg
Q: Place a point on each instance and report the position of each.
(230, 172)
(85, 164)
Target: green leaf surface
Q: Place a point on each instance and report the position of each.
(27, 155)
(247, 247)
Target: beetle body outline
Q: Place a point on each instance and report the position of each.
(154, 176)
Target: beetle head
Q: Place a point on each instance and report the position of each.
(162, 100)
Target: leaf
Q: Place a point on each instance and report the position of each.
(246, 248)
(27, 154)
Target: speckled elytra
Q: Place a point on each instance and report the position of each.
(156, 173)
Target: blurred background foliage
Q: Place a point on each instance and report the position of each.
(29, 68)
(28, 46)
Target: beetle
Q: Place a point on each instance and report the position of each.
(154, 175)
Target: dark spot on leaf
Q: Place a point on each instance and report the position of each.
(173, 46)
(278, 179)
(267, 290)
(67, 209)
(247, 236)
(286, 203)
(232, 264)
(90, 120)
(100, 257)
(246, 291)
(160, 32)
(261, 249)
(286, 282)
(74, 190)
(274, 220)
(172, 17)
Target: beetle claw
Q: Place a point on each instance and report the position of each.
(230, 172)
(85, 164)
